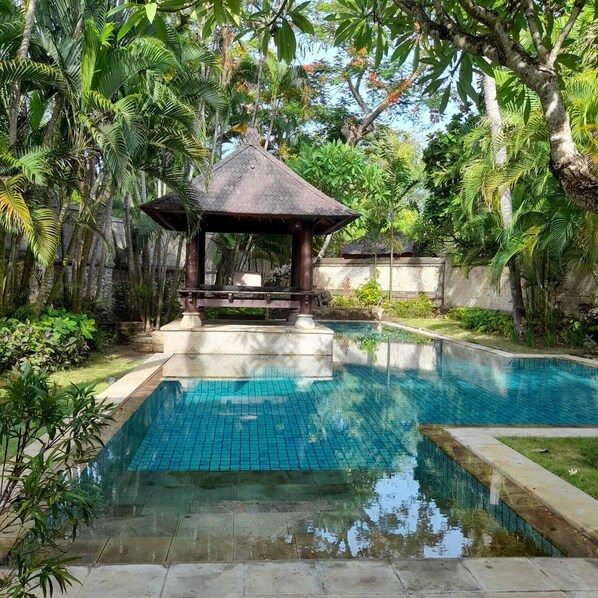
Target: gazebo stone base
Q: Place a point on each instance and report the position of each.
(190, 367)
(305, 322)
(244, 338)
(190, 321)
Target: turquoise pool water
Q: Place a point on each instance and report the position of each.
(296, 468)
(365, 416)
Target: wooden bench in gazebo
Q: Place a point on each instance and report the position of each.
(250, 191)
(207, 295)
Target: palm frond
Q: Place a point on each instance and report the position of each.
(14, 212)
(39, 74)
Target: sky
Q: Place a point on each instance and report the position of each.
(309, 52)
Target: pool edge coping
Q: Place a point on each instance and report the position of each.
(578, 509)
(118, 392)
(127, 394)
(423, 331)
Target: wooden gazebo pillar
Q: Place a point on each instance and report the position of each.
(201, 267)
(305, 262)
(295, 254)
(195, 267)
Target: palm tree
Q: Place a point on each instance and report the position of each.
(115, 106)
(547, 232)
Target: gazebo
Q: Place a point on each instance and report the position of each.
(250, 191)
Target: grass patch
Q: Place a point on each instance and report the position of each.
(455, 330)
(100, 370)
(564, 455)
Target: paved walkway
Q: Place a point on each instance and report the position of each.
(434, 578)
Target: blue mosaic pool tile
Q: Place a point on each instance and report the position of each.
(362, 418)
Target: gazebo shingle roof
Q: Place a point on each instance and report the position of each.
(248, 188)
(366, 247)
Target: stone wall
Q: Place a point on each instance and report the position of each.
(449, 286)
(473, 289)
(411, 276)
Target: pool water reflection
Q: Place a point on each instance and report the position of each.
(281, 468)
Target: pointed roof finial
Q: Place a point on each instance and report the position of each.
(252, 136)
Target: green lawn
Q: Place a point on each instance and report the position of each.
(455, 330)
(573, 459)
(99, 369)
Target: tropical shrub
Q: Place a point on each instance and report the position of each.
(582, 330)
(345, 301)
(369, 293)
(418, 307)
(488, 321)
(56, 339)
(46, 435)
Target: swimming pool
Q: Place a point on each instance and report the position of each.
(283, 467)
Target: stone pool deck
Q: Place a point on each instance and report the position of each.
(446, 578)
(576, 507)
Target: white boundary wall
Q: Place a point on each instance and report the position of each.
(447, 285)
(412, 276)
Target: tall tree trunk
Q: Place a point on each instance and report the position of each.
(517, 299)
(27, 274)
(106, 228)
(47, 283)
(161, 280)
(91, 268)
(323, 249)
(258, 89)
(13, 115)
(506, 203)
(273, 110)
(3, 236)
(575, 171)
(10, 284)
(133, 271)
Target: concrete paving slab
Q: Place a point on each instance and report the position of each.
(509, 575)
(213, 580)
(359, 577)
(292, 578)
(570, 574)
(136, 550)
(124, 581)
(72, 591)
(492, 578)
(400, 594)
(435, 575)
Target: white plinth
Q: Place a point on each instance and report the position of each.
(193, 366)
(190, 321)
(236, 338)
(305, 322)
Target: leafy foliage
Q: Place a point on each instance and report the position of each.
(369, 293)
(56, 339)
(45, 435)
(487, 321)
(582, 330)
(417, 307)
